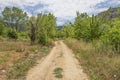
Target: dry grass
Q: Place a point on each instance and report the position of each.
(15, 54)
(98, 65)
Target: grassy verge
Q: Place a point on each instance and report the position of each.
(17, 57)
(98, 65)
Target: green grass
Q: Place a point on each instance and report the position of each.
(43, 50)
(58, 72)
(98, 65)
(4, 57)
(22, 65)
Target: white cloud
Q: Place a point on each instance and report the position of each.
(64, 9)
(20, 3)
(115, 2)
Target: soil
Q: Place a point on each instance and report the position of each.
(60, 57)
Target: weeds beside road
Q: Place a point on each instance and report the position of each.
(98, 65)
(17, 57)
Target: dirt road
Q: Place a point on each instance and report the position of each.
(60, 64)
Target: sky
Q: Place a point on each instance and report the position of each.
(64, 10)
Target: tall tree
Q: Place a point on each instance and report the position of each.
(42, 28)
(67, 31)
(81, 23)
(46, 27)
(32, 23)
(14, 17)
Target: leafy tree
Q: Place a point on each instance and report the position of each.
(53, 25)
(67, 31)
(42, 28)
(46, 27)
(32, 23)
(88, 28)
(80, 24)
(95, 29)
(14, 17)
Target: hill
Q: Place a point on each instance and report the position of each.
(111, 13)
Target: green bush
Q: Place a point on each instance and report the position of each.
(112, 38)
(1, 30)
(12, 33)
(43, 39)
(23, 36)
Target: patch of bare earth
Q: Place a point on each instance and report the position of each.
(60, 57)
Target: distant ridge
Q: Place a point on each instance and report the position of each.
(111, 13)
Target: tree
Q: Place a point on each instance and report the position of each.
(51, 25)
(14, 17)
(46, 27)
(94, 29)
(88, 28)
(2, 26)
(67, 31)
(81, 24)
(32, 23)
(42, 28)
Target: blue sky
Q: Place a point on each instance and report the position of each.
(64, 10)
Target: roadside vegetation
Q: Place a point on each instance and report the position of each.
(17, 57)
(96, 44)
(98, 65)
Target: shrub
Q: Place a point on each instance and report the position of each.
(23, 36)
(112, 38)
(43, 39)
(12, 33)
(1, 30)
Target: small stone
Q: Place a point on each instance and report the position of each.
(115, 76)
(3, 71)
(36, 51)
